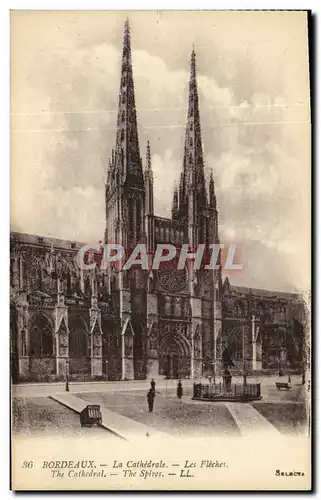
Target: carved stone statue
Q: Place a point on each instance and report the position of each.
(227, 380)
(226, 359)
(50, 260)
(128, 344)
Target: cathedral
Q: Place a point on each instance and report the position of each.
(68, 322)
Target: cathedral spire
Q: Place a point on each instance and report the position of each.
(127, 156)
(193, 168)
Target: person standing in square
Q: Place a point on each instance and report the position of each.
(179, 389)
(150, 399)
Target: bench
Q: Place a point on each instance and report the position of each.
(283, 385)
(90, 415)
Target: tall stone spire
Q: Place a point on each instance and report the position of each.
(193, 168)
(125, 193)
(127, 156)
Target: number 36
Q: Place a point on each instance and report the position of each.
(27, 465)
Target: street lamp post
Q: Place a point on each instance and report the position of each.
(214, 371)
(67, 375)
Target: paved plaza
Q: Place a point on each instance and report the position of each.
(45, 409)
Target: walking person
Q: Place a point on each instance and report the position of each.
(179, 389)
(150, 399)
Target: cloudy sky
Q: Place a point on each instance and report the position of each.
(254, 102)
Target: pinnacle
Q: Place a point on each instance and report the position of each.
(127, 30)
(127, 143)
(148, 157)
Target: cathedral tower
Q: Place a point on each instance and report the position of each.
(125, 218)
(125, 195)
(193, 197)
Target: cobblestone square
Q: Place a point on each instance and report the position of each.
(35, 414)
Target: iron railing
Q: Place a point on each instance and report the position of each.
(214, 391)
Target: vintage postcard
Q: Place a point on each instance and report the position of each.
(160, 250)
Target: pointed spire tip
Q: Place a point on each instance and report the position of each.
(193, 63)
(126, 32)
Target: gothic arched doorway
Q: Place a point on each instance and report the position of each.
(175, 356)
(41, 350)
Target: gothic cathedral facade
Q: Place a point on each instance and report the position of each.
(142, 323)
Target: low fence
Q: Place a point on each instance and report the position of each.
(214, 391)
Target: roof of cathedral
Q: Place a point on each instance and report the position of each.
(36, 240)
(260, 292)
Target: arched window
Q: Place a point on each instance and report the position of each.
(191, 141)
(34, 276)
(41, 341)
(190, 159)
(78, 345)
(235, 345)
(110, 340)
(87, 286)
(122, 135)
